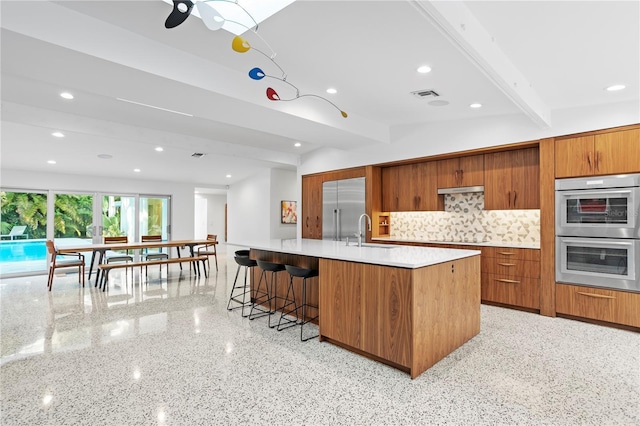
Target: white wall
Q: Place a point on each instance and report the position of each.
(200, 217)
(248, 209)
(182, 209)
(254, 207)
(215, 214)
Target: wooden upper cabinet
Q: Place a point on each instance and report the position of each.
(574, 157)
(461, 171)
(603, 154)
(390, 189)
(618, 152)
(410, 187)
(312, 207)
(424, 186)
(512, 180)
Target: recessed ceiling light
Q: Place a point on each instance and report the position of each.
(105, 156)
(136, 170)
(297, 144)
(51, 162)
(66, 95)
(228, 176)
(615, 87)
(159, 149)
(424, 69)
(332, 91)
(439, 103)
(58, 134)
(476, 105)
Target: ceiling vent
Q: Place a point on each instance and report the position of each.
(197, 155)
(425, 93)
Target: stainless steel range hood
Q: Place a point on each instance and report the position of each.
(461, 190)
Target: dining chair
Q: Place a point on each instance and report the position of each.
(119, 255)
(210, 249)
(57, 261)
(156, 255)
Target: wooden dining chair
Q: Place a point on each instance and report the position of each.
(156, 255)
(118, 255)
(63, 260)
(210, 249)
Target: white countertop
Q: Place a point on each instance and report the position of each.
(525, 245)
(378, 254)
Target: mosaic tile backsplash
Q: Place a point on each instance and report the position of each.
(465, 220)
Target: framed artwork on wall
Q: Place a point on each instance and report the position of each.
(289, 211)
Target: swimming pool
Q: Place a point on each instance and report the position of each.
(17, 251)
(29, 256)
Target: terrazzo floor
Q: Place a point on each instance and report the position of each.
(169, 353)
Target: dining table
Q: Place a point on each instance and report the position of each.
(98, 250)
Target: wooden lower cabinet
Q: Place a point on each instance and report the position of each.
(511, 276)
(341, 301)
(522, 292)
(408, 318)
(619, 307)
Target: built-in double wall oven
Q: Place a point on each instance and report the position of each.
(598, 231)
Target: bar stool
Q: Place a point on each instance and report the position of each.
(237, 291)
(269, 294)
(304, 273)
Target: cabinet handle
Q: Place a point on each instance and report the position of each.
(597, 160)
(506, 264)
(307, 222)
(589, 159)
(509, 198)
(502, 280)
(597, 296)
(461, 176)
(506, 253)
(455, 174)
(515, 197)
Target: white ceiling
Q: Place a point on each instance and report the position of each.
(514, 57)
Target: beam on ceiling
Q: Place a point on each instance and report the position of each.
(457, 22)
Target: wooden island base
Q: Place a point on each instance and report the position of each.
(407, 318)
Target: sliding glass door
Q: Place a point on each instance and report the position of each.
(24, 229)
(119, 216)
(154, 216)
(73, 219)
(30, 217)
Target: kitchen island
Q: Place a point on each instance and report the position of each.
(408, 307)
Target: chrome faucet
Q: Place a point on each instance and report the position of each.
(359, 235)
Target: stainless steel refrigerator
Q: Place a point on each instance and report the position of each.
(343, 201)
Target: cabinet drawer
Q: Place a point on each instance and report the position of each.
(511, 253)
(524, 292)
(618, 307)
(510, 268)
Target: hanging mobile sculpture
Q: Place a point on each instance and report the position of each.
(214, 21)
